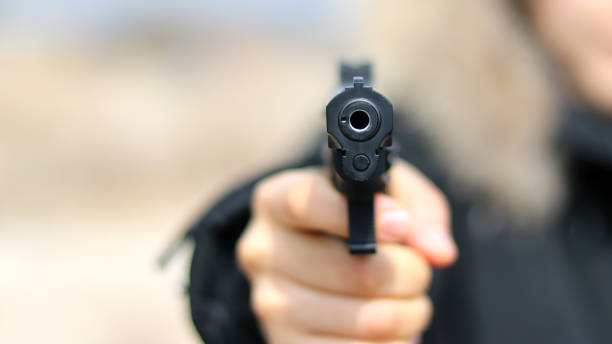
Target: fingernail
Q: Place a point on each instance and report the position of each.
(438, 239)
(394, 225)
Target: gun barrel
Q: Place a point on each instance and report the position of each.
(359, 128)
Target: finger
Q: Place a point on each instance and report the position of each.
(429, 230)
(281, 301)
(283, 335)
(395, 271)
(306, 199)
(303, 199)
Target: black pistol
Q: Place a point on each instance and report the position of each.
(359, 131)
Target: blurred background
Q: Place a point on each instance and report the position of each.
(119, 123)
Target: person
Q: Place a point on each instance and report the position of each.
(497, 223)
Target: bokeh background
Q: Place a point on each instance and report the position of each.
(119, 123)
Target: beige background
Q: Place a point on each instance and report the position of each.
(109, 148)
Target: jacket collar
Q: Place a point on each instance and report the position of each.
(586, 135)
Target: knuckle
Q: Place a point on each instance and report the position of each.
(424, 281)
(424, 313)
(380, 320)
(262, 195)
(253, 249)
(421, 273)
(296, 200)
(268, 302)
(286, 191)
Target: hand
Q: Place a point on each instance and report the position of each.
(307, 288)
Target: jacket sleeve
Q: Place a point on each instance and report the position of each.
(219, 293)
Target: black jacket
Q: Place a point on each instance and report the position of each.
(509, 285)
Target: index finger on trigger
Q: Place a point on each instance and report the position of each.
(430, 230)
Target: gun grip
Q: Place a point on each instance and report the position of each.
(362, 236)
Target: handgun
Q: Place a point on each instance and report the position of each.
(359, 132)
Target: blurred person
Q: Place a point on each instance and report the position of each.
(508, 142)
